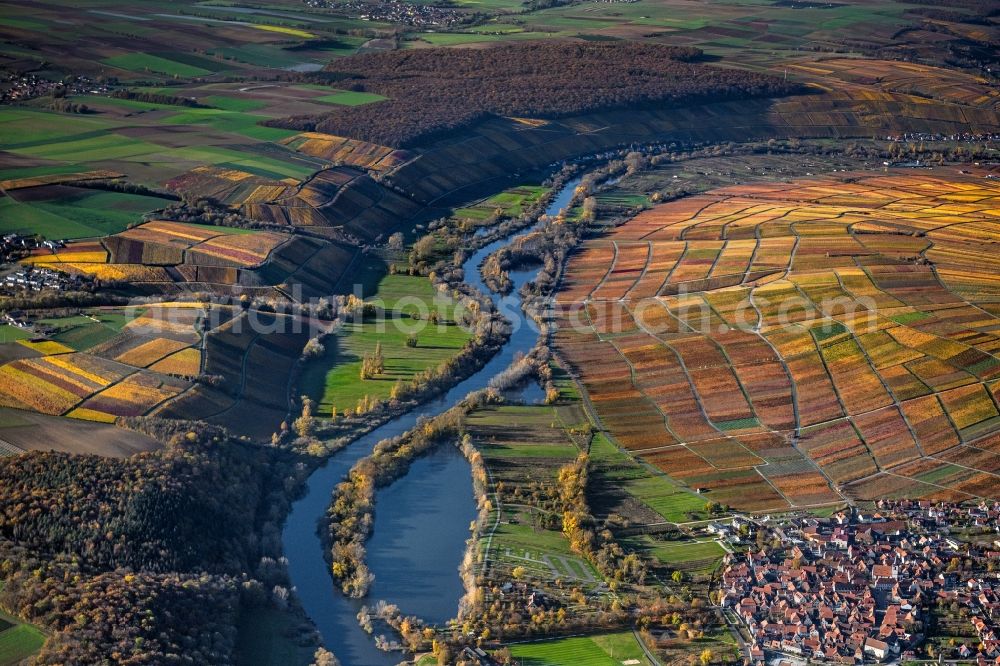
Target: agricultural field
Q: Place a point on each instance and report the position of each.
(407, 306)
(615, 468)
(689, 556)
(522, 446)
(22, 431)
(165, 41)
(161, 256)
(790, 344)
(936, 83)
(509, 203)
(18, 641)
(79, 214)
(139, 139)
(251, 354)
(597, 650)
(756, 31)
(343, 196)
(793, 345)
(97, 365)
(62, 206)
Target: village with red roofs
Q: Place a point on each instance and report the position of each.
(875, 586)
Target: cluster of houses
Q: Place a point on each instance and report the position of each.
(39, 279)
(15, 87)
(974, 137)
(16, 245)
(32, 279)
(857, 587)
(25, 322)
(396, 11)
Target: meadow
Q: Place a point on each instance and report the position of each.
(597, 650)
(691, 557)
(524, 445)
(334, 380)
(18, 641)
(84, 214)
(89, 329)
(509, 203)
(672, 502)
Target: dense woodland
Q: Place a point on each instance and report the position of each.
(535, 80)
(143, 560)
(179, 509)
(125, 618)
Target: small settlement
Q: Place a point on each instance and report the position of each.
(868, 587)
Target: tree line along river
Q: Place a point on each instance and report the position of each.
(421, 521)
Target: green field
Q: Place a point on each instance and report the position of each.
(82, 332)
(146, 62)
(545, 554)
(95, 213)
(28, 127)
(522, 431)
(236, 122)
(102, 147)
(522, 445)
(227, 114)
(30, 172)
(511, 203)
(654, 489)
(598, 650)
(10, 333)
(17, 641)
(350, 98)
(70, 142)
(227, 103)
(696, 557)
(335, 380)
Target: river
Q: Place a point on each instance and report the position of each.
(421, 520)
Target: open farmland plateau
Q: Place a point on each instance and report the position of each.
(499, 332)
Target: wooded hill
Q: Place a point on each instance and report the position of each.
(137, 561)
(545, 80)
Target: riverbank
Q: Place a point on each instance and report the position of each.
(334, 614)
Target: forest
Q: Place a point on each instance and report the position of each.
(110, 512)
(141, 560)
(545, 80)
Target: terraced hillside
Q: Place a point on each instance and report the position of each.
(482, 158)
(795, 343)
(251, 357)
(165, 257)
